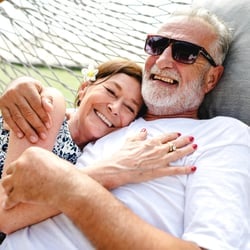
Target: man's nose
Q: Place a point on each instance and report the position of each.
(165, 59)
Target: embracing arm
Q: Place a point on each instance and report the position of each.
(120, 227)
(17, 218)
(28, 212)
(87, 203)
(118, 170)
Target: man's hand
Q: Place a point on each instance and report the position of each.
(25, 110)
(35, 177)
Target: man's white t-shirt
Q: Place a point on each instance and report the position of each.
(210, 207)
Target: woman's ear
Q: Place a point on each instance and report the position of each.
(213, 77)
(82, 90)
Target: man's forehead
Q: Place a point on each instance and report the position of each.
(180, 22)
(186, 28)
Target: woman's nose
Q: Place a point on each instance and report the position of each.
(114, 107)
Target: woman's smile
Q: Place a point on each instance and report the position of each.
(104, 118)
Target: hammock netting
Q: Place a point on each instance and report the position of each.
(52, 40)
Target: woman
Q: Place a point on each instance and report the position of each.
(111, 99)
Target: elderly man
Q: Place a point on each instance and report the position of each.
(208, 210)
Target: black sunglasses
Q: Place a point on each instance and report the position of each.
(182, 51)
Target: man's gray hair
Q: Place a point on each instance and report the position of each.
(223, 32)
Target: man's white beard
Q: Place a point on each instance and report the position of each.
(162, 100)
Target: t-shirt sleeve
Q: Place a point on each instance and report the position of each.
(217, 212)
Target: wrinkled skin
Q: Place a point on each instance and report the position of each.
(30, 176)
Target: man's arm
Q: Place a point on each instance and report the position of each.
(86, 203)
(119, 227)
(17, 218)
(132, 164)
(25, 109)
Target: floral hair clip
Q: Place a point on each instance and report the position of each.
(89, 74)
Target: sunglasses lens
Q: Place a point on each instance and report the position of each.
(155, 45)
(185, 52)
(182, 51)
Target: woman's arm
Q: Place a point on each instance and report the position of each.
(28, 212)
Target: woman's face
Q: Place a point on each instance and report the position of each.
(106, 106)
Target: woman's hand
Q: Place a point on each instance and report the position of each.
(25, 110)
(142, 159)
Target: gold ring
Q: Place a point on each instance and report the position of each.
(172, 147)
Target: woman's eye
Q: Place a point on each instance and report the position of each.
(110, 91)
(130, 109)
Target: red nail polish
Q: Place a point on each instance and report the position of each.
(193, 169)
(195, 146)
(179, 134)
(191, 138)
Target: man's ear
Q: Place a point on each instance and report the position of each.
(213, 77)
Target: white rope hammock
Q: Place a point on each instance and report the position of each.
(63, 36)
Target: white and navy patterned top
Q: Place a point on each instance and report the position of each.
(64, 146)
